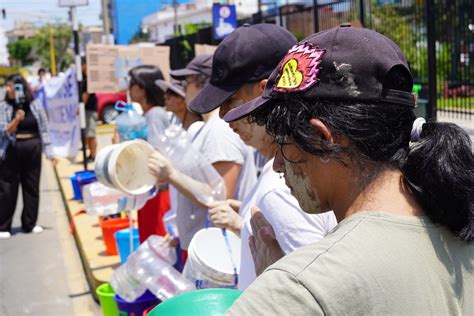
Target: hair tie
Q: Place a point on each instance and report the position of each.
(416, 129)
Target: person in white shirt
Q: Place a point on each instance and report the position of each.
(243, 81)
(232, 159)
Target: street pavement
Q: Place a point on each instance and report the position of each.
(41, 274)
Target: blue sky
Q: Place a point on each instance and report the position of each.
(87, 15)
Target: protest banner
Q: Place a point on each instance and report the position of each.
(201, 49)
(60, 98)
(108, 65)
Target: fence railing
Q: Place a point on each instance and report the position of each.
(444, 76)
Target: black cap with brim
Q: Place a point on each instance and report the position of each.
(211, 97)
(165, 85)
(181, 74)
(246, 109)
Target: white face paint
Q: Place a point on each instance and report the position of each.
(301, 189)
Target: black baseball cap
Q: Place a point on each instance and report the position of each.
(173, 85)
(248, 54)
(342, 63)
(199, 65)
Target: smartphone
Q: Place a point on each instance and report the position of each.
(19, 95)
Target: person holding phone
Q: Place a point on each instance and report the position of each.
(23, 136)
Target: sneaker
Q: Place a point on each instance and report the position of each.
(37, 229)
(5, 235)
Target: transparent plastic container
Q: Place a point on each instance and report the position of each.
(156, 274)
(150, 267)
(102, 200)
(126, 286)
(174, 144)
(130, 124)
(169, 220)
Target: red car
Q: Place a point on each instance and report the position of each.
(106, 105)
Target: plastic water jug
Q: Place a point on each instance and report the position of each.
(130, 123)
(149, 267)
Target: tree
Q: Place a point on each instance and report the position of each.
(36, 48)
(21, 51)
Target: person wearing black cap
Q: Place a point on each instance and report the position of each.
(340, 108)
(232, 159)
(246, 58)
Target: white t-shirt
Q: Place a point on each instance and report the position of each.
(217, 142)
(293, 227)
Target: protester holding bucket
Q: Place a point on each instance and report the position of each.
(23, 136)
(216, 141)
(340, 108)
(143, 90)
(242, 82)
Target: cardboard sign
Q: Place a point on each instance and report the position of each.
(201, 49)
(108, 65)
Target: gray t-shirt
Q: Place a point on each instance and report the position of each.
(371, 264)
(217, 142)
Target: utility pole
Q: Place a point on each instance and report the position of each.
(52, 55)
(175, 9)
(82, 111)
(106, 21)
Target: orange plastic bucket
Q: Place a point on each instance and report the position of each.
(109, 227)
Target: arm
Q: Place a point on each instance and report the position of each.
(43, 126)
(164, 171)
(13, 125)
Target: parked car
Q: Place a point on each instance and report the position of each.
(106, 105)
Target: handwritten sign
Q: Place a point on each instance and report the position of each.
(108, 65)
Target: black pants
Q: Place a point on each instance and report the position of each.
(22, 165)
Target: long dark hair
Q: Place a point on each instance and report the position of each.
(18, 79)
(438, 168)
(145, 76)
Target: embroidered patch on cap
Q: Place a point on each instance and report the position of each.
(299, 69)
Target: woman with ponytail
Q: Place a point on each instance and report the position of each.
(339, 105)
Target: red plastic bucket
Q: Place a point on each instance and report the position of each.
(109, 227)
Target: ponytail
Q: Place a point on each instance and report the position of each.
(440, 171)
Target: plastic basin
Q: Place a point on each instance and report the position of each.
(208, 302)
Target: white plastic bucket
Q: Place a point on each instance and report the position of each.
(125, 167)
(211, 261)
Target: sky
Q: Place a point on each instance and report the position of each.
(87, 15)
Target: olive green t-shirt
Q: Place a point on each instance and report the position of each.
(372, 263)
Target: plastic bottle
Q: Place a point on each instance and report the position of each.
(174, 144)
(149, 267)
(130, 124)
(157, 275)
(125, 285)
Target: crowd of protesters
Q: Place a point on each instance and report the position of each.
(345, 202)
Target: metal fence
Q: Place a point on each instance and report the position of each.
(436, 36)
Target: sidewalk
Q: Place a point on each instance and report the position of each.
(42, 274)
(87, 233)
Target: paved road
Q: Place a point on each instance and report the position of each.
(42, 274)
